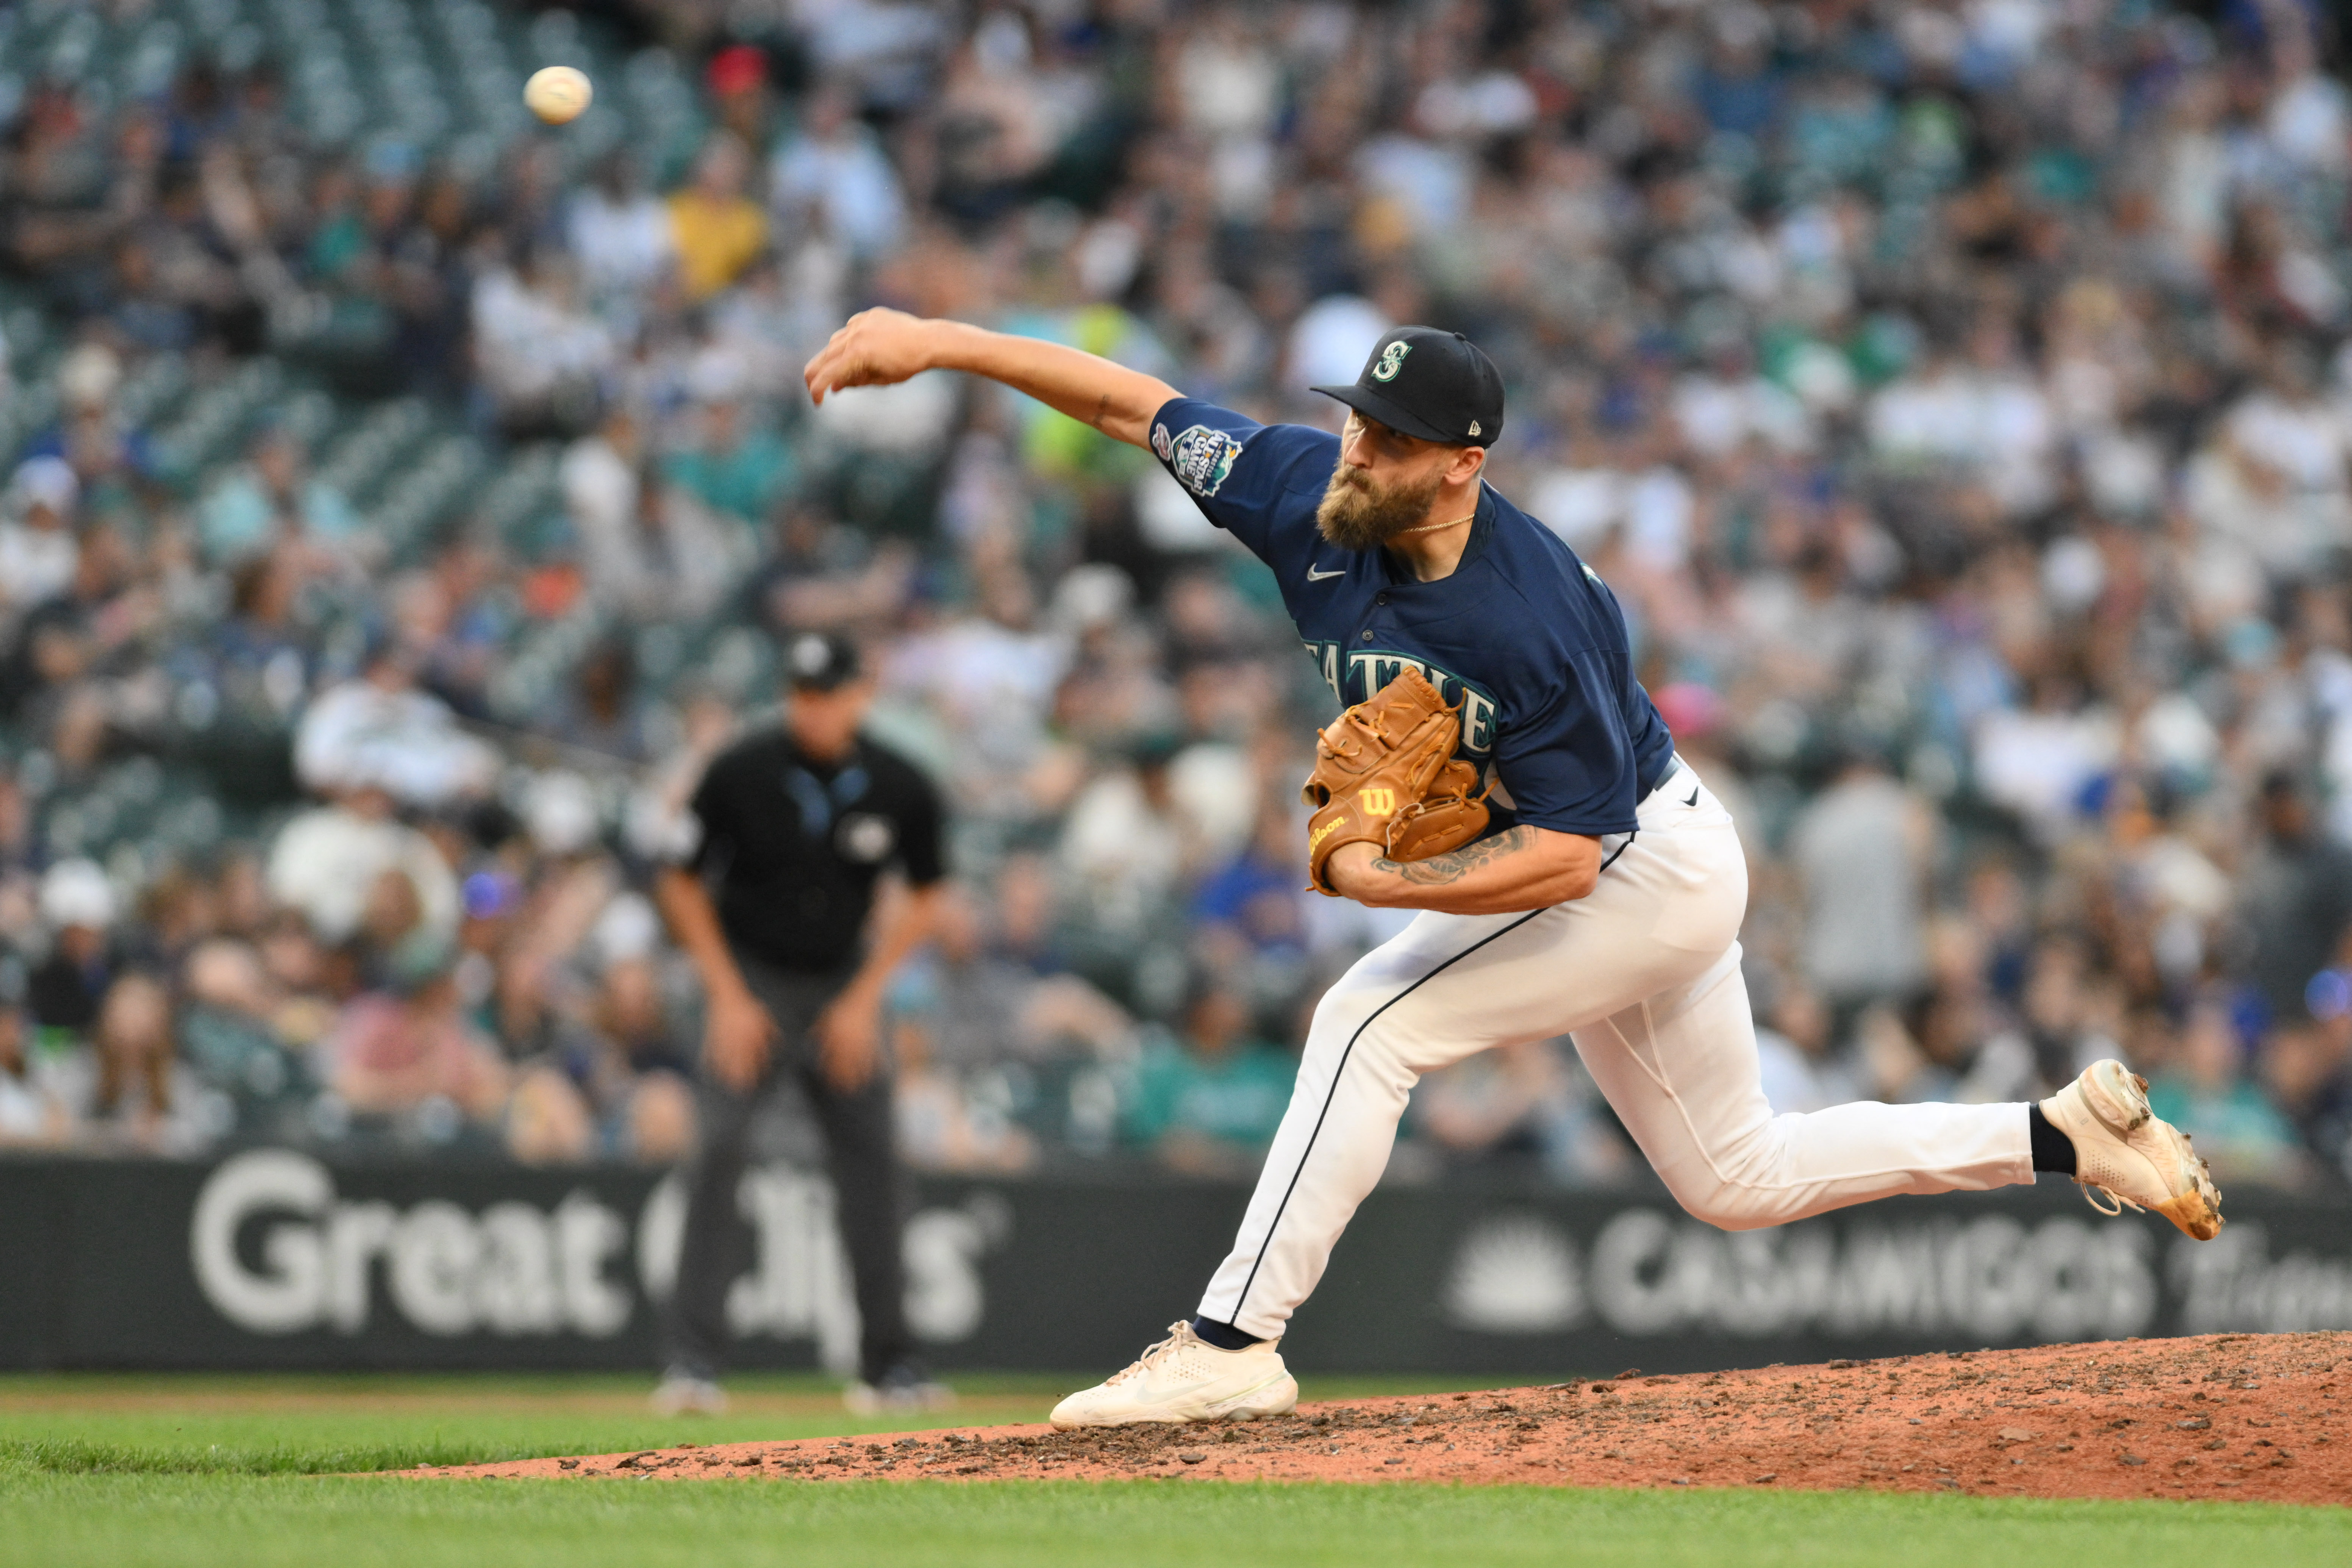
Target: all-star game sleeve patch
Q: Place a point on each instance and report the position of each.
(1201, 457)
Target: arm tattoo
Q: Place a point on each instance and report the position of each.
(1102, 408)
(1451, 867)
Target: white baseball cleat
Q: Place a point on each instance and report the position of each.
(2123, 1150)
(902, 1389)
(1185, 1378)
(689, 1394)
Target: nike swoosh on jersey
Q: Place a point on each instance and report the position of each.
(1315, 576)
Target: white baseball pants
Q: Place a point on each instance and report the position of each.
(1644, 973)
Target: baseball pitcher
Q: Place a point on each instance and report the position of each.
(1500, 770)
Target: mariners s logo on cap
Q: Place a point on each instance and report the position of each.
(1391, 361)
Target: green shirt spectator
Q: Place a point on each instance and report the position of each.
(1210, 1101)
(269, 496)
(732, 468)
(2207, 1095)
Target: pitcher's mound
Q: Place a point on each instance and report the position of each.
(2226, 1416)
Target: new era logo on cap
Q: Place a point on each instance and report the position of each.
(1429, 383)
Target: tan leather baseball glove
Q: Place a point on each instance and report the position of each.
(1385, 774)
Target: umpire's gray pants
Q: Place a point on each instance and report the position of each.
(870, 1189)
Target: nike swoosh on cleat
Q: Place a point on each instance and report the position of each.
(1260, 1386)
(1694, 799)
(1315, 576)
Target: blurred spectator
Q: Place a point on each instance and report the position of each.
(391, 1054)
(659, 1128)
(1524, 1108)
(1251, 908)
(269, 501)
(260, 658)
(639, 1056)
(2307, 1071)
(1208, 1098)
(67, 990)
(541, 356)
(659, 826)
(972, 1006)
(621, 234)
(940, 1125)
(602, 712)
(730, 468)
(1125, 843)
(2296, 907)
(352, 871)
(821, 576)
(1862, 849)
(717, 230)
(548, 1120)
(142, 1098)
(599, 476)
(683, 559)
(380, 734)
(248, 1027)
(1800, 1073)
(831, 174)
(37, 554)
(2237, 1131)
(29, 1114)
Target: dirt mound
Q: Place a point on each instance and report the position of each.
(2230, 1416)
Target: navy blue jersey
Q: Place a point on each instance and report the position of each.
(1523, 634)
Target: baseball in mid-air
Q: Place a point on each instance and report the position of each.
(558, 94)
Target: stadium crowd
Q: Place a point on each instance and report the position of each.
(1951, 391)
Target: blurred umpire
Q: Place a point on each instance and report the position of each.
(796, 826)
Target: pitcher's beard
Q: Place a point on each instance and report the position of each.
(1357, 513)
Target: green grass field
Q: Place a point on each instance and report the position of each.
(128, 1470)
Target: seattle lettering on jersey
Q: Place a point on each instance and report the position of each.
(1367, 672)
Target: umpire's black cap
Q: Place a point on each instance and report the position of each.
(1437, 386)
(819, 661)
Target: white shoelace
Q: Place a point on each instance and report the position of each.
(1164, 1348)
(2121, 1202)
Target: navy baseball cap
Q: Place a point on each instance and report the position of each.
(1437, 386)
(820, 661)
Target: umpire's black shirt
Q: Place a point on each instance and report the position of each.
(795, 846)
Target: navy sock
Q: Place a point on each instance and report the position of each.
(1226, 1337)
(2053, 1150)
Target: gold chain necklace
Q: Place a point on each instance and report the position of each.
(1434, 527)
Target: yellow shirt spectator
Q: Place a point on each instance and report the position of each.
(716, 229)
(717, 238)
